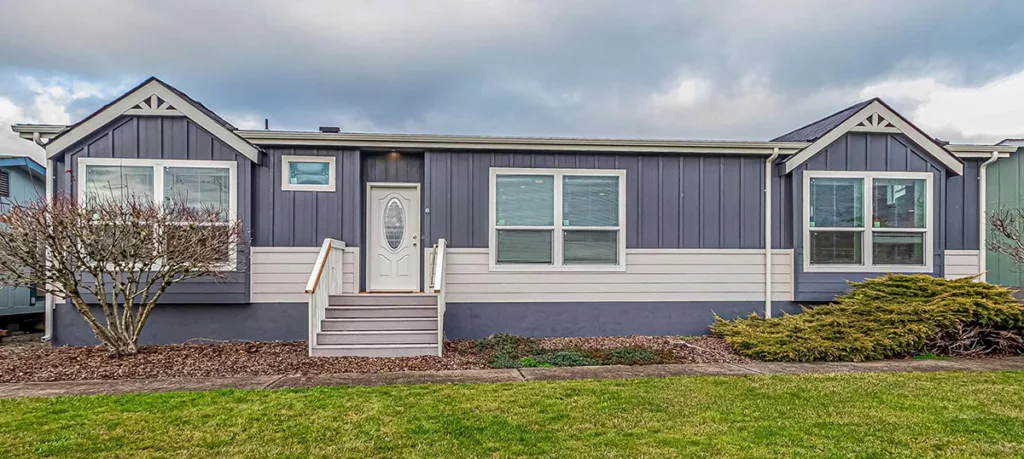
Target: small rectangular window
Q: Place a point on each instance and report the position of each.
(308, 173)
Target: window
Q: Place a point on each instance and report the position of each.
(307, 173)
(5, 184)
(874, 222)
(197, 184)
(553, 219)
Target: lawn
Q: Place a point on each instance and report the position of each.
(954, 414)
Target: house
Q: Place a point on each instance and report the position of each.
(1004, 192)
(21, 180)
(385, 244)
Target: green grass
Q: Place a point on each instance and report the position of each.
(945, 414)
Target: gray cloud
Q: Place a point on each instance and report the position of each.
(724, 69)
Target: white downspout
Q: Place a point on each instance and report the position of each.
(982, 204)
(768, 233)
(48, 304)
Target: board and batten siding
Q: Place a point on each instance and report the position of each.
(1005, 191)
(672, 201)
(280, 274)
(864, 152)
(661, 275)
(306, 218)
(175, 138)
(961, 263)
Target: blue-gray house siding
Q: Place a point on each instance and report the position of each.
(305, 218)
(672, 201)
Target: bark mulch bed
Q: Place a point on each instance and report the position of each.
(71, 363)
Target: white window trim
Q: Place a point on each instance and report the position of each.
(158, 166)
(557, 229)
(866, 244)
(286, 165)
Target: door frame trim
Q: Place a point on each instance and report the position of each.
(366, 214)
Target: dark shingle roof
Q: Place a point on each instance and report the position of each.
(815, 130)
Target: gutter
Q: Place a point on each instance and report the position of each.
(768, 233)
(48, 305)
(982, 220)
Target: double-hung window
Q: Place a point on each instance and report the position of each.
(557, 219)
(868, 221)
(208, 185)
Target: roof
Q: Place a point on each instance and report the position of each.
(817, 129)
(22, 161)
(470, 142)
(152, 97)
(874, 116)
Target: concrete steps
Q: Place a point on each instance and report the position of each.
(379, 325)
(375, 350)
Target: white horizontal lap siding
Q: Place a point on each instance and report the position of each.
(961, 263)
(279, 274)
(651, 275)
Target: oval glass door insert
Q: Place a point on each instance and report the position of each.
(394, 223)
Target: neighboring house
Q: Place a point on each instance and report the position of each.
(21, 180)
(1005, 191)
(532, 236)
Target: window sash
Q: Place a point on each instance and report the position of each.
(558, 229)
(868, 229)
(159, 192)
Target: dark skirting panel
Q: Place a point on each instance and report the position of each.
(479, 320)
(175, 324)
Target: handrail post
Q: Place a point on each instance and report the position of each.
(438, 286)
(319, 288)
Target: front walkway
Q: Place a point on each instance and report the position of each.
(62, 388)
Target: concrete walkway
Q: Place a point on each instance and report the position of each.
(53, 389)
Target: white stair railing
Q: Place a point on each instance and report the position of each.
(325, 280)
(437, 285)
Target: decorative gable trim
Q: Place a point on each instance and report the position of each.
(154, 106)
(877, 124)
(877, 117)
(152, 98)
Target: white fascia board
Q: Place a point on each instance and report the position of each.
(938, 152)
(143, 93)
(516, 143)
(980, 151)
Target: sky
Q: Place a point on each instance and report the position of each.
(722, 69)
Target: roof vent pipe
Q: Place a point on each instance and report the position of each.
(330, 129)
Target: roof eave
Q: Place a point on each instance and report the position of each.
(415, 141)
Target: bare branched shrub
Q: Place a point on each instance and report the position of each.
(1006, 234)
(121, 255)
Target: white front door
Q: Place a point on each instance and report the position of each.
(393, 237)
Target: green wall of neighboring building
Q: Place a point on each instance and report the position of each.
(1005, 190)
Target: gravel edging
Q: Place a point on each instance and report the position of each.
(41, 363)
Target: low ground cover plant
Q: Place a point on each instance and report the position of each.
(510, 351)
(896, 315)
